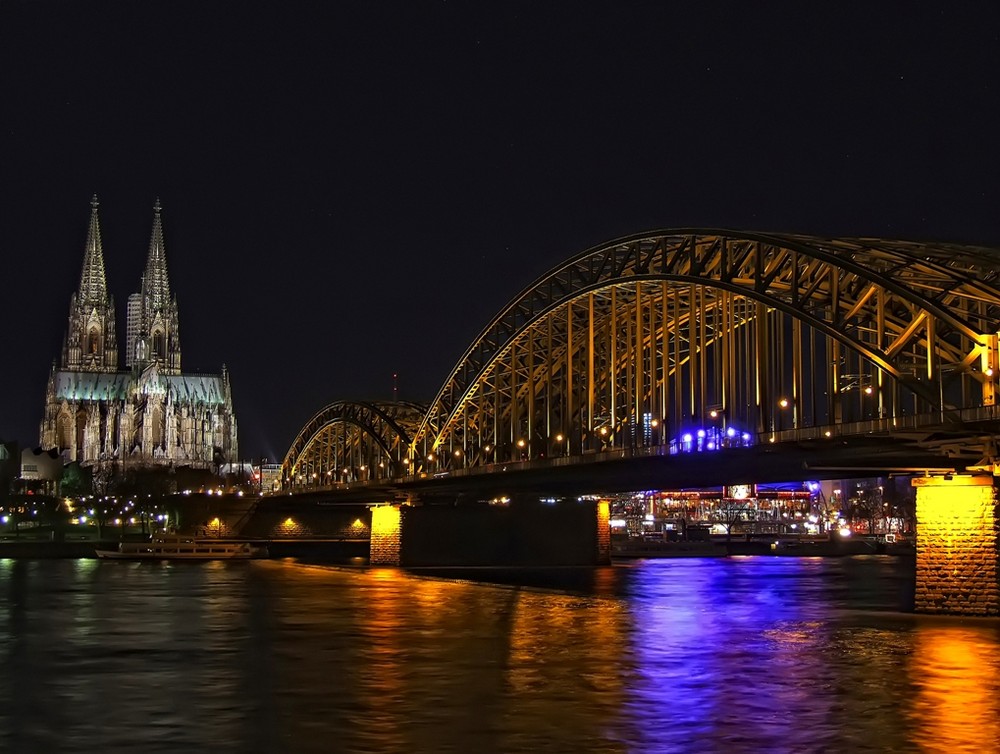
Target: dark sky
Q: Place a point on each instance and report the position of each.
(355, 189)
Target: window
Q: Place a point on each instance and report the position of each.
(158, 345)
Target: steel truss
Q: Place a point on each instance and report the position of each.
(639, 341)
(352, 441)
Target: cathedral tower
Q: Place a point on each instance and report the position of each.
(150, 415)
(90, 343)
(153, 323)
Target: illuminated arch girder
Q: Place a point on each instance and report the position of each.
(883, 315)
(352, 441)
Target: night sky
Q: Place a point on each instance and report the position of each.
(355, 189)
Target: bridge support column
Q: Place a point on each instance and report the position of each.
(386, 535)
(958, 545)
(603, 532)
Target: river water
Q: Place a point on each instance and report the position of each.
(730, 655)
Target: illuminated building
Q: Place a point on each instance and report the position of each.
(152, 414)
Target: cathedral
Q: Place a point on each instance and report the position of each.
(150, 413)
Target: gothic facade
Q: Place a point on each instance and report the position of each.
(150, 413)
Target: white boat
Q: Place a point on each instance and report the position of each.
(184, 548)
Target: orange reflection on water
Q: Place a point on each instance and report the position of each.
(957, 707)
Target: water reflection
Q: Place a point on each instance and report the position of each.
(759, 654)
(955, 671)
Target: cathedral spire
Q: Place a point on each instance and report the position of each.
(90, 343)
(152, 316)
(93, 282)
(155, 283)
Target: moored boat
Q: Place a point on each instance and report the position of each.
(184, 548)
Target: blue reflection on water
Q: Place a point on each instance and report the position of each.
(731, 655)
(725, 654)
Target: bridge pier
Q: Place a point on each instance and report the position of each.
(525, 533)
(386, 536)
(958, 545)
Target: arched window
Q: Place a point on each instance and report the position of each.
(81, 435)
(93, 339)
(158, 346)
(156, 416)
(64, 431)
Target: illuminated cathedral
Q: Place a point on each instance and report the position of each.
(150, 413)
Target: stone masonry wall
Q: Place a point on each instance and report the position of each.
(603, 532)
(958, 546)
(386, 535)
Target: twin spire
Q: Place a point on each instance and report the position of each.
(155, 283)
(93, 282)
(152, 334)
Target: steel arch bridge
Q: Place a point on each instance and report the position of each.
(353, 441)
(697, 339)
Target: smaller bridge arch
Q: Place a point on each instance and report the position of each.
(350, 441)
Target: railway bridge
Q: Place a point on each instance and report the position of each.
(682, 356)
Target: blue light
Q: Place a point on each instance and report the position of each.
(701, 433)
(711, 446)
(730, 432)
(686, 437)
(746, 437)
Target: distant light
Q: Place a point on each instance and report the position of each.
(730, 432)
(701, 433)
(711, 446)
(868, 390)
(845, 532)
(655, 423)
(686, 437)
(746, 437)
(827, 433)
(714, 414)
(604, 430)
(783, 403)
(520, 443)
(559, 438)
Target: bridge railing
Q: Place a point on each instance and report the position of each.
(949, 418)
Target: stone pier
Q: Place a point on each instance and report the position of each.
(958, 545)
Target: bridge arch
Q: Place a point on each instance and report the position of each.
(349, 441)
(634, 341)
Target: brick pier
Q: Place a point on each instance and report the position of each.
(958, 545)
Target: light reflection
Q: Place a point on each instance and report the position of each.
(957, 673)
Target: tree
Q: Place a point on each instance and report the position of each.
(77, 481)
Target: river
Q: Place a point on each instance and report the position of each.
(731, 655)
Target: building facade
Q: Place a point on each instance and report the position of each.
(151, 413)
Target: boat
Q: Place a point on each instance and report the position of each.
(184, 548)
